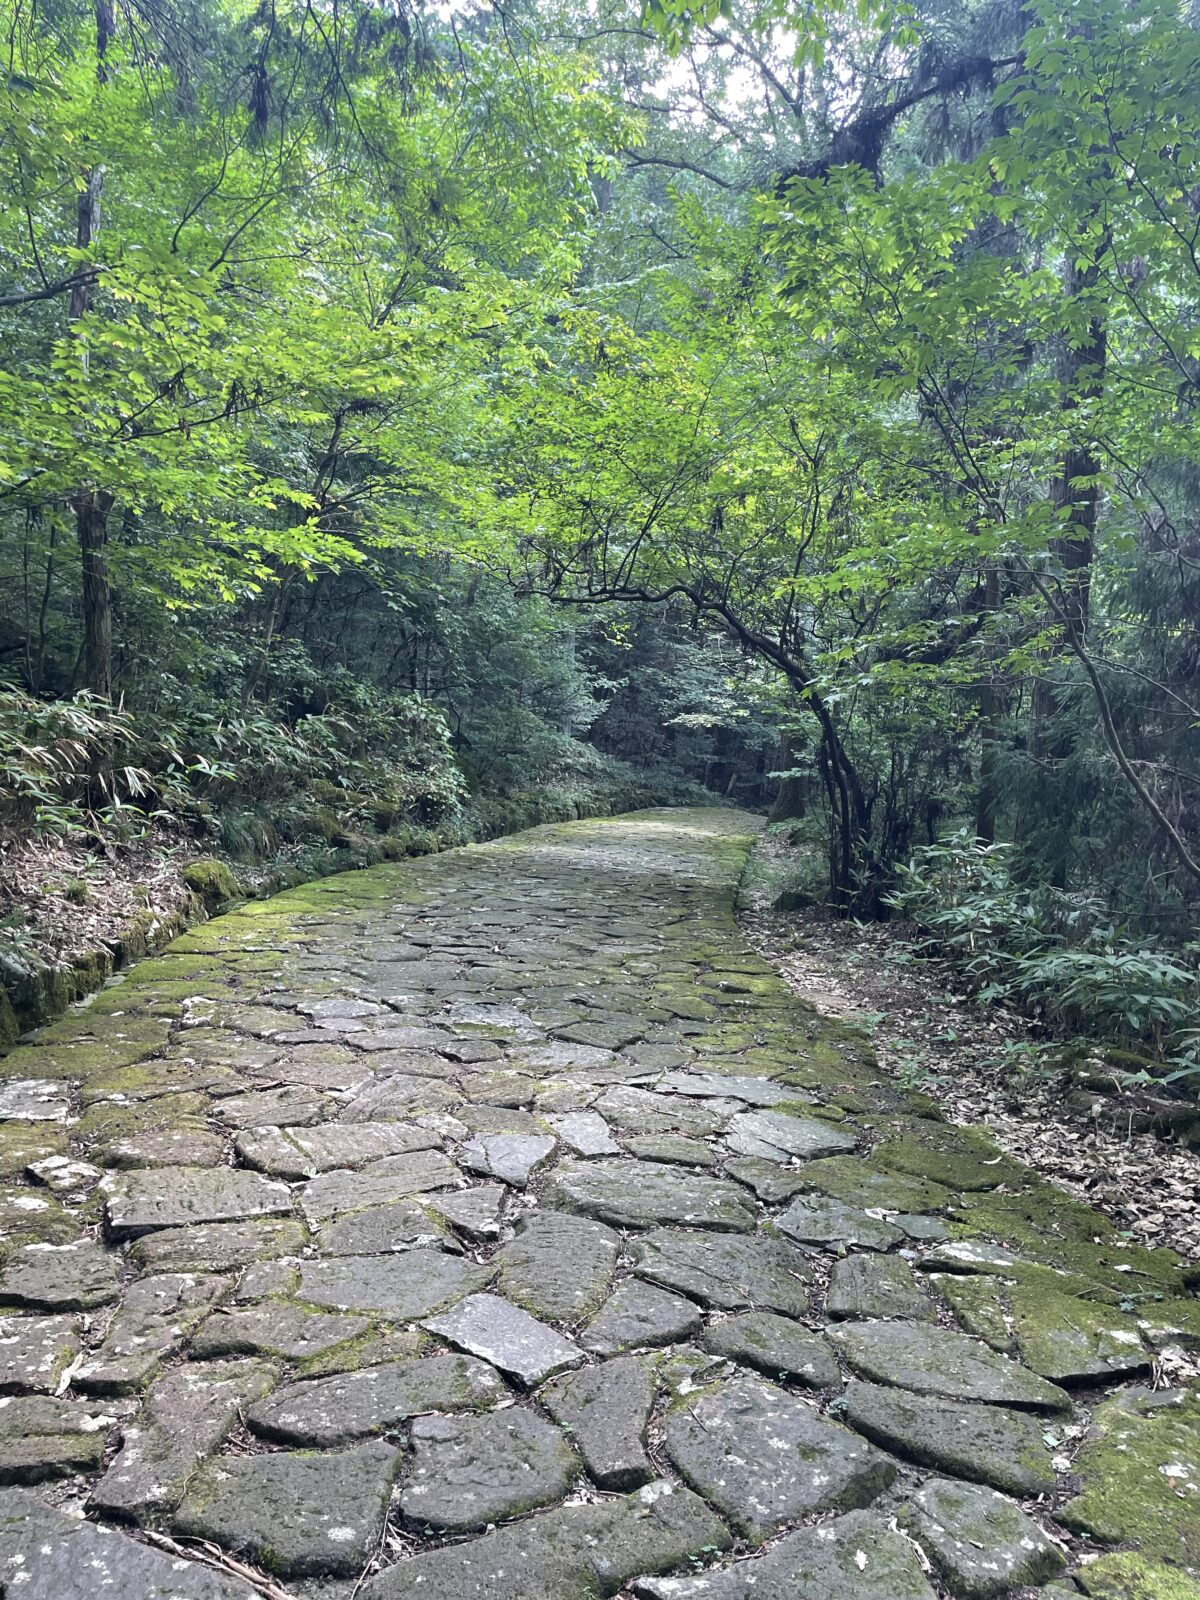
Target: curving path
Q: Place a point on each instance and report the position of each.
(496, 1226)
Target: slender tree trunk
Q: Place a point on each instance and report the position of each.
(1077, 506)
(1079, 503)
(990, 709)
(44, 611)
(91, 505)
(91, 523)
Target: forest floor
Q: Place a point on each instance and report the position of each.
(61, 899)
(982, 1064)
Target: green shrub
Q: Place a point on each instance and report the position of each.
(1054, 955)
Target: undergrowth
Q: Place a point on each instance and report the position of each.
(1058, 957)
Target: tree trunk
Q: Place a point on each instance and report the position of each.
(91, 522)
(792, 795)
(1077, 506)
(991, 705)
(91, 505)
(1083, 381)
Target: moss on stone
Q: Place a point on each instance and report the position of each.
(959, 1158)
(104, 1121)
(368, 1349)
(10, 1027)
(860, 1183)
(1140, 1469)
(213, 881)
(81, 1046)
(23, 1142)
(33, 1216)
(1130, 1576)
(1045, 1225)
(91, 970)
(1168, 1320)
(1060, 1336)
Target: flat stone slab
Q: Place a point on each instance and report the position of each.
(642, 1194)
(401, 1096)
(511, 1157)
(731, 1086)
(187, 1414)
(982, 1543)
(489, 1119)
(775, 1345)
(401, 1287)
(860, 1184)
(292, 1106)
(60, 1277)
(770, 1181)
(41, 1437)
(606, 1033)
(371, 1400)
(983, 1256)
(1126, 1575)
(304, 1152)
(151, 1323)
(725, 1271)
(501, 1087)
(764, 1458)
(672, 1147)
(558, 1266)
(29, 1218)
(381, 1230)
(165, 1147)
(856, 1557)
(299, 1515)
(218, 1246)
(33, 1100)
(585, 1133)
(937, 1361)
(476, 1211)
(640, 1314)
(1140, 1472)
(560, 1056)
(1066, 1339)
(987, 1444)
(606, 1409)
(959, 1158)
(321, 1010)
(395, 1178)
(52, 1556)
(467, 1472)
(61, 1175)
(575, 1552)
(499, 1332)
(276, 1329)
(35, 1352)
(141, 1201)
(636, 1110)
(778, 1137)
(877, 1286)
(814, 1219)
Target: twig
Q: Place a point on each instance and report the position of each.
(211, 1556)
(374, 1560)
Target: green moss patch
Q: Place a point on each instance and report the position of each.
(1129, 1576)
(1140, 1467)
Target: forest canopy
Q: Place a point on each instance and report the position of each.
(795, 404)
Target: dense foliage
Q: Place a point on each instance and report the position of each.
(796, 400)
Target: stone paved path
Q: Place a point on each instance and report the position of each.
(496, 1226)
